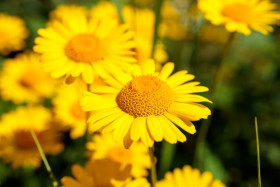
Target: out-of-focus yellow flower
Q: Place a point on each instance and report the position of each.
(23, 80)
(143, 105)
(171, 22)
(16, 143)
(103, 146)
(76, 44)
(241, 15)
(68, 110)
(188, 177)
(105, 9)
(12, 33)
(141, 22)
(97, 173)
(214, 34)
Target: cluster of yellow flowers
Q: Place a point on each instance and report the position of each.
(114, 89)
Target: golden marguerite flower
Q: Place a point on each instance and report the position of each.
(23, 80)
(12, 33)
(16, 143)
(189, 177)
(77, 44)
(103, 146)
(241, 15)
(68, 110)
(97, 173)
(143, 105)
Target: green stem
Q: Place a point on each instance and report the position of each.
(167, 155)
(202, 134)
(158, 5)
(258, 152)
(153, 173)
(49, 170)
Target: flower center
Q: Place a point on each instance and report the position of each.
(85, 48)
(29, 80)
(77, 111)
(238, 12)
(120, 155)
(144, 96)
(24, 140)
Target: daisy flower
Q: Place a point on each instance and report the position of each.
(16, 143)
(23, 80)
(137, 156)
(143, 105)
(241, 15)
(97, 173)
(79, 45)
(68, 110)
(13, 32)
(189, 177)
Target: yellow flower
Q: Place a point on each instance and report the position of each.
(23, 80)
(211, 33)
(97, 173)
(241, 15)
(12, 33)
(68, 110)
(137, 156)
(76, 44)
(16, 143)
(188, 177)
(143, 105)
(171, 25)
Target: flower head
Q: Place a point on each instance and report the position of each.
(23, 80)
(241, 15)
(97, 173)
(188, 177)
(16, 143)
(83, 45)
(137, 156)
(12, 33)
(68, 110)
(143, 105)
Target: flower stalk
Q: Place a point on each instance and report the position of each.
(201, 137)
(153, 173)
(258, 153)
(46, 163)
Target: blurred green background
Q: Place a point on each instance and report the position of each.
(250, 87)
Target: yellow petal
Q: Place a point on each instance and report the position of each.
(166, 71)
(155, 128)
(180, 123)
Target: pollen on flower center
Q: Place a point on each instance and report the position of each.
(28, 80)
(85, 48)
(144, 96)
(238, 12)
(24, 140)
